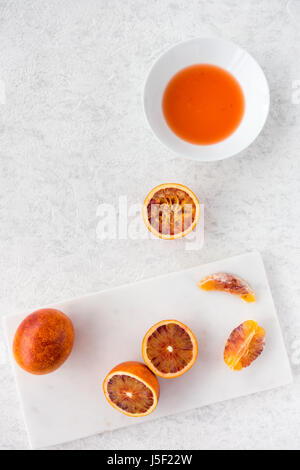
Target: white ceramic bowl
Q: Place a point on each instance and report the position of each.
(232, 58)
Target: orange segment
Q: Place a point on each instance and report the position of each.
(132, 389)
(244, 345)
(171, 211)
(169, 349)
(228, 283)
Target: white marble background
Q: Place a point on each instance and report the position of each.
(73, 135)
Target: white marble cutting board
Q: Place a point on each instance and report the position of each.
(110, 325)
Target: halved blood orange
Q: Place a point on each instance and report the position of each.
(169, 349)
(171, 211)
(228, 283)
(132, 388)
(244, 345)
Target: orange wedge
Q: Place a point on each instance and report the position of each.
(171, 211)
(169, 349)
(228, 283)
(132, 388)
(244, 345)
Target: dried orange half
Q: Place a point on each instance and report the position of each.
(228, 283)
(171, 211)
(169, 349)
(132, 388)
(244, 345)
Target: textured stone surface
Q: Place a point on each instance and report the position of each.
(73, 136)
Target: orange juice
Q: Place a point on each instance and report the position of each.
(203, 104)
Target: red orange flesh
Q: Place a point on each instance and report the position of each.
(228, 283)
(169, 349)
(132, 389)
(244, 345)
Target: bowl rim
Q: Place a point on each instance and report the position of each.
(186, 155)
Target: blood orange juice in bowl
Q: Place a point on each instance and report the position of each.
(206, 99)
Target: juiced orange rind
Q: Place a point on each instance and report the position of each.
(171, 211)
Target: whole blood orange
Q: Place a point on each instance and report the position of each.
(171, 211)
(43, 341)
(169, 349)
(132, 388)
